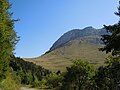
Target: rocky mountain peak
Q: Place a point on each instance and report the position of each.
(78, 33)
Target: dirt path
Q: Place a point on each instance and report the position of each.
(26, 88)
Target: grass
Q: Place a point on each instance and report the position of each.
(62, 57)
(9, 83)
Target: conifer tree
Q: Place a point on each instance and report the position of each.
(112, 40)
(8, 36)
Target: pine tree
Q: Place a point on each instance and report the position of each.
(8, 36)
(112, 40)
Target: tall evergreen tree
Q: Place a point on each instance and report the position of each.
(8, 36)
(112, 41)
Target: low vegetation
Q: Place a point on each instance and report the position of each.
(27, 72)
(81, 75)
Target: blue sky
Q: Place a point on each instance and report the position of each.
(42, 22)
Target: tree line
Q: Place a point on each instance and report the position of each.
(27, 72)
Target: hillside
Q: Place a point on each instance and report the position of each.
(75, 44)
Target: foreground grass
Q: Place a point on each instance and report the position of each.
(9, 83)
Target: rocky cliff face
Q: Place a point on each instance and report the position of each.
(88, 34)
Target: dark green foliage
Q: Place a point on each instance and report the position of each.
(108, 77)
(11, 82)
(8, 37)
(112, 40)
(54, 80)
(8, 40)
(27, 72)
(50, 81)
(78, 76)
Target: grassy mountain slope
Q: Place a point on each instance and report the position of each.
(62, 57)
(74, 44)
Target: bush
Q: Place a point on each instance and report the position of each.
(54, 80)
(108, 76)
(10, 83)
(78, 76)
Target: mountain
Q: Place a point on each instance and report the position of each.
(74, 44)
(79, 34)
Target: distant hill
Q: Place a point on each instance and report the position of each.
(74, 44)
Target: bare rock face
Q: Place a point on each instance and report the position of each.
(88, 34)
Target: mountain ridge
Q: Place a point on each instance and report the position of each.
(77, 33)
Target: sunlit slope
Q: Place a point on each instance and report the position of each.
(62, 57)
(74, 44)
